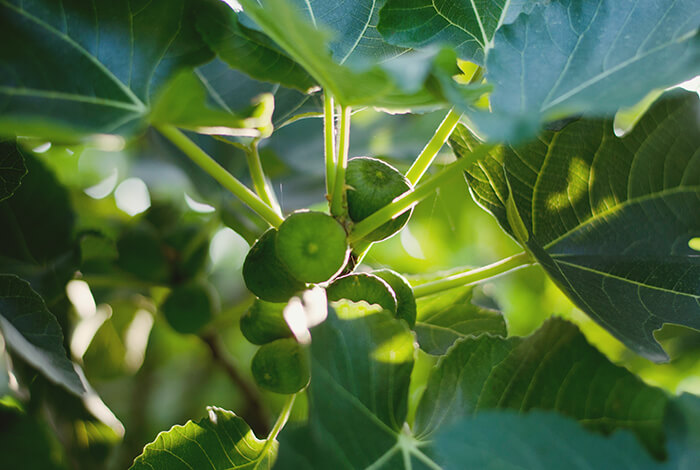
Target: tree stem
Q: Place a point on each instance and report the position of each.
(254, 413)
(329, 147)
(339, 201)
(474, 276)
(220, 174)
(399, 205)
(257, 174)
(431, 149)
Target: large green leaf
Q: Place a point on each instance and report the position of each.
(355, 38)
(358, 396)
(538, 440)
(220, 441)
(553, 369)
(573, 56)
(609, 219)
(445, 318)
(249, 50)
(69, 69)
(399, 82)
(12, 168)
(466, 25)
(33, 333)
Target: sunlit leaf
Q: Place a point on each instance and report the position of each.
(568, 57)
(610, 219)
(220, 441)
(465, 25)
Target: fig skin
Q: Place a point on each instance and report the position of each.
(373, 184)
(265, 275)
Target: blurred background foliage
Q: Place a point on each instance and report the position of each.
(149, 222)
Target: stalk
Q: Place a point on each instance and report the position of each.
(431, 149)
(219, 173)
(339, 200)
(474, 276)
(366, 226)
(281, 419)
(329, 147)
(262, 188)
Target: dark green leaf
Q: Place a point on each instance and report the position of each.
(360, 372)
(537, 440)
(445, 318)
(683, 432)
(610, 219)
(465, 25)
(12, 168)
(220, 441)
(248, 50)
(95, 64)
(395, 83)
(569, 57)
(554, 369)
(33, 333)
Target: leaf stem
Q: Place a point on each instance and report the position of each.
(329, 147)
(339, 201)
(227, 180)
(282, 418)
(257, 174)
(473, 276)
(431, 149)
(408, 199)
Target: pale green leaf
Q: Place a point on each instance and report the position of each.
(610, 219)
(571, 56)
(33, 333)
(220, 441)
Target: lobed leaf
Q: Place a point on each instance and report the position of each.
(609, 219)
(554, 369)
(569, 56)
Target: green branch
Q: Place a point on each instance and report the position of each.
(262, 188)
(281, 420)
(474, 276)
(329, 147)
(339, 201)
(410, 198)
(431, 149)
(220, 174)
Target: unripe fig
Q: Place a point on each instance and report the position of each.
(264, 322)
(265, 275)
(281, 366)
(188, 307)
(312, 245)
(372, 184)
(405, 300)
(363, 287)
